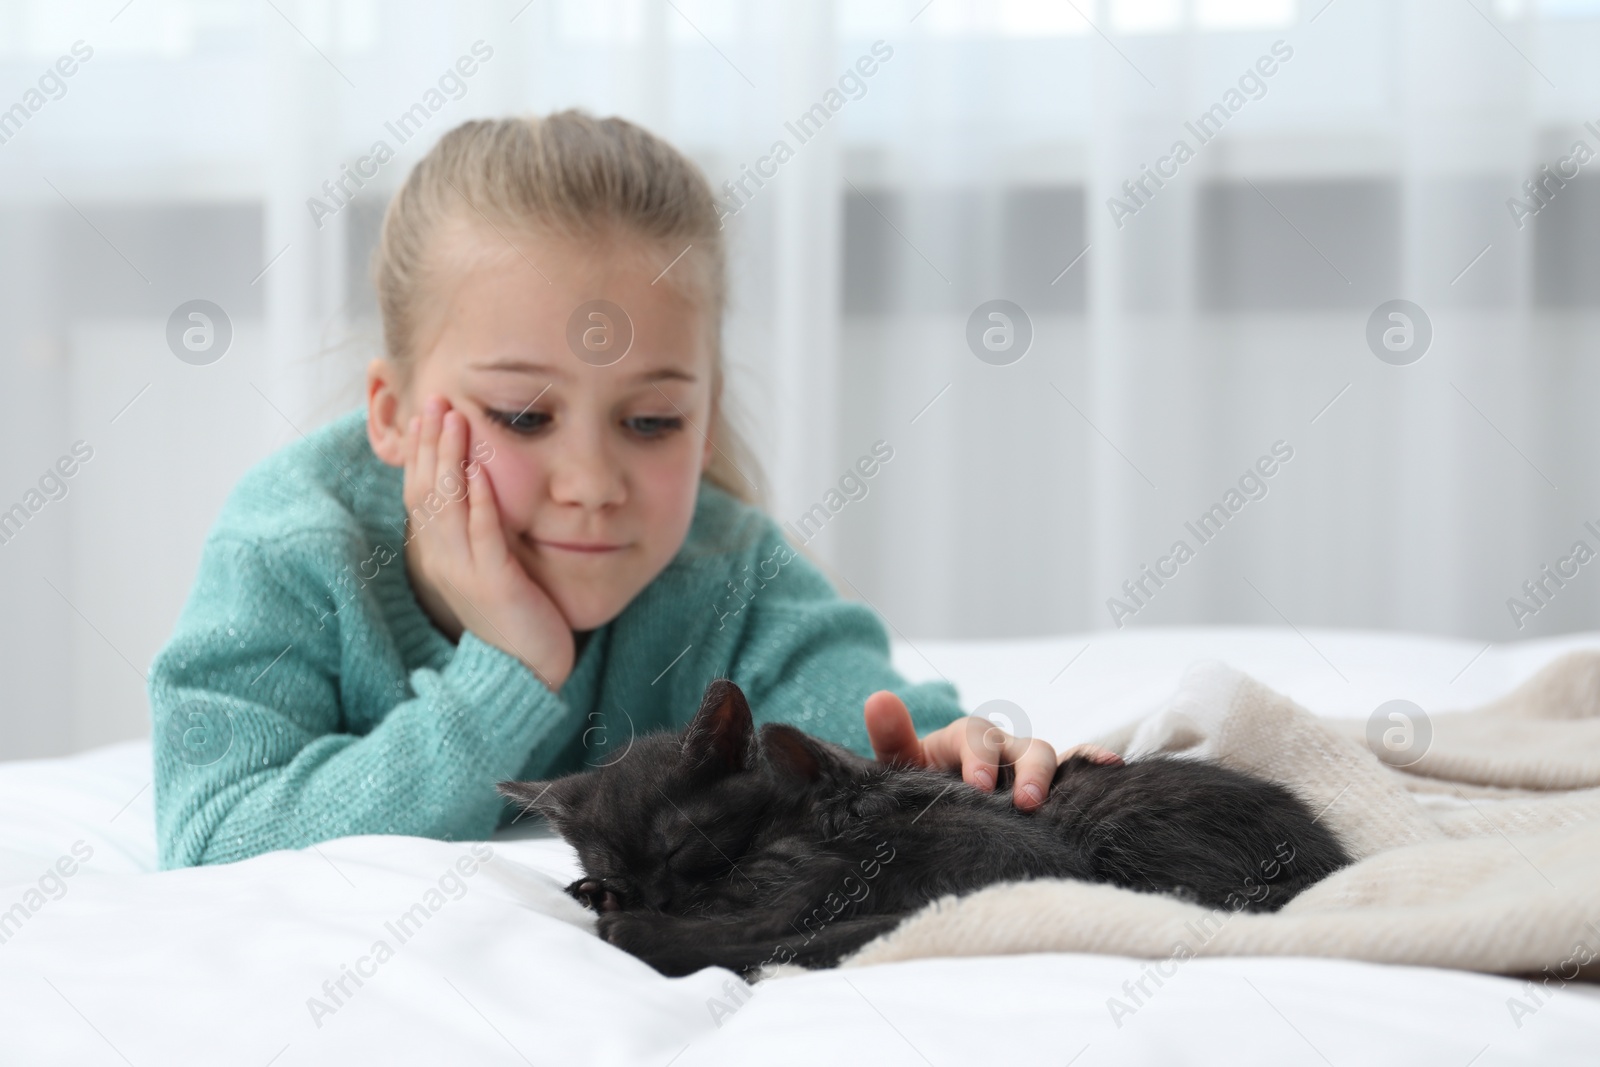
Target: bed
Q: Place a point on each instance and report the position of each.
(277, 960)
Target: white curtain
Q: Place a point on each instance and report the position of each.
(1177, 338)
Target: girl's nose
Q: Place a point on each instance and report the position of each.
(584, 473)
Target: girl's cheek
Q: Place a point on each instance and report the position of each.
(674, 484)
(513, 476)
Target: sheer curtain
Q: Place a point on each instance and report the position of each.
(1190, 322)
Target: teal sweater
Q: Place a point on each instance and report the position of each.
(305, 694)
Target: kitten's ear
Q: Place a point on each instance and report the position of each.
(795, 754)
(791, 752)
(722, 737)
(552, 799)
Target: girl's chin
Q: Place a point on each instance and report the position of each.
(589, 591)
(584, 610)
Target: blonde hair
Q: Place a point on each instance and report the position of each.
(574, 177)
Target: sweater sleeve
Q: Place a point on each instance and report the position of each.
(811, 659)
(250, 745)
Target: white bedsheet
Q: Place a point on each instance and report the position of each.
(219, 964)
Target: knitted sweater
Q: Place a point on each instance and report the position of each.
(305, 694)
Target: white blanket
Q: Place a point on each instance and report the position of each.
(1502, 876)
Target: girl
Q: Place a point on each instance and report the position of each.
(534, 540)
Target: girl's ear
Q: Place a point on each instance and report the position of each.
(386, 431)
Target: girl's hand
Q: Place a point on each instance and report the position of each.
(1096, 753)
(973, 744)
(456, 554)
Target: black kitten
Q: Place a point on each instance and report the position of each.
(727, 847)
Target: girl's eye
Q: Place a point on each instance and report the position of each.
(654, 425)
(522, 422)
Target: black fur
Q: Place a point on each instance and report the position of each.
(724, 846)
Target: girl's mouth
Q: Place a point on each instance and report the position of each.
(587, 547)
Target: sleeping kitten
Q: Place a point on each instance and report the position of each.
(724, 846)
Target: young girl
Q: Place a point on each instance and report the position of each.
(532, 543)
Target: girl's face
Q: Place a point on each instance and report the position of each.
(595, 468)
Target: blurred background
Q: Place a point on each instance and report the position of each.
(1168, 320)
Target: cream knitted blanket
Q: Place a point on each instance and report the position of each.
(1484, 854)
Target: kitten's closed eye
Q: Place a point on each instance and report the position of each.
(698, 860)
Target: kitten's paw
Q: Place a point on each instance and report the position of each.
(628, 931)
(594, 895)
(653, 938)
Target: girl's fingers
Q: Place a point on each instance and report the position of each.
(983, 745)
(428, 445)
(1035, 766)
(889, 728)
(974, 744)
(449, 510)
(409, 480)
(452, 452)
(483, 518)
(1096, 753)
(945, 748)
